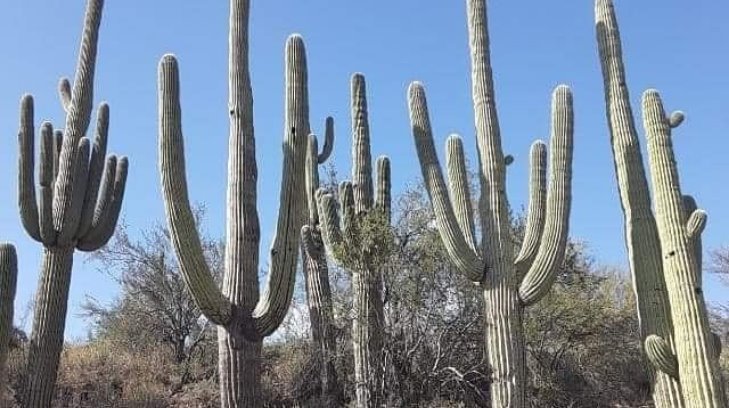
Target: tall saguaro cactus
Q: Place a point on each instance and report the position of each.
(360, 244)
(664, 250)
(509, 283)
(80, 200)
(8, 282)
(243, 316)
(316, 273)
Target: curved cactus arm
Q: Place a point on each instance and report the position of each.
(8, 283)
(96, 169)
(676, 119)
(46, 176)
(464, 257)
(328, 148)
(361, 156)
(661, 355)
(57, 144)
(459, 189)
(384, 186)
(108, 214)
(537, 207)
(695, 223)
(64, 93)
(77, 121)
(276, 298)
(543, 271)
(26, 168)
(181, 221)
(329, 219)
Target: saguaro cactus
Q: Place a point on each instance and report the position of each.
(243, 319)
(360, 244)
(664, 250)
(8, 281)
(80, 200)
(316, 273)
(509, 283)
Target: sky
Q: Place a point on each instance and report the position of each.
(679, 49)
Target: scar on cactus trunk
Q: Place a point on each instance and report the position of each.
(664, 250)
(509, 283)
(8, 283)
(362, 244)
(243, 316)
(80, 200)
(316, 273)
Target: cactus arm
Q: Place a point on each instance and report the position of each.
(347, 207)
(57, 143)
(543, 271)
(460, 192)
(77, 121)
(329, 218)
(465, 258)
(96, 169)
(46, 176)
(103, 229)
(661, 355)
(312, 178)
(8, 284)
(64, 93)
(361, 156)
(328, 141)
(26, 167)
(276, 298)
(698, 368)
(180, 218)
(537, 208)
(695, 224)
(384, 186)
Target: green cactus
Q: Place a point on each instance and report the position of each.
(8, 281)
(316, 273)
(671, 310)
(509, 283)
(81, 195)
(243, 316)
(361, 244)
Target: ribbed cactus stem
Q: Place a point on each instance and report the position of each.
(8, 282)
(72, 213)
(509, 283)
(243, 315)
(697, 363)
(661, 355)
(342, 239)
(641, 234)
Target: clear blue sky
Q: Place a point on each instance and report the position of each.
(673, 46)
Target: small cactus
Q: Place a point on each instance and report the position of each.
(8, 281)
(81, 193)
(243, 316)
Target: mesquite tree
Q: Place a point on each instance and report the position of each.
(242, 315)
(79, 205)
(361, 245)
(316, 273)
(509, 283)
(665, 248)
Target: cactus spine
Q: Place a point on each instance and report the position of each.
(8, 281)
(316, 272)
(80, 201)
(671, 308)
(364, 255)
(509, 284)
(243, 316)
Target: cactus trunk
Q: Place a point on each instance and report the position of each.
(81, 193)
(239, 369)
(8, 283)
